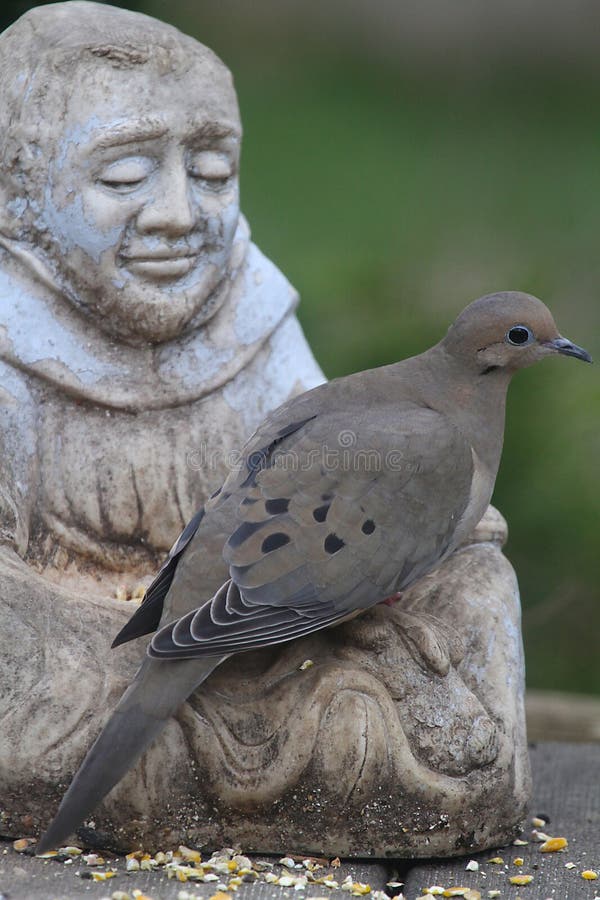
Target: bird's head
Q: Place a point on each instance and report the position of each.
(507, 331)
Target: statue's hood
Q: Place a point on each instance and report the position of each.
(45, 336)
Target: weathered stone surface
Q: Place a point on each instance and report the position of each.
(399, 739)
(143, 337)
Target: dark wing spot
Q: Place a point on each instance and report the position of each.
(333, 543)
(249, 501)
(255, 463)
(257, 460)
(275, 541)
(326, 498)
(276, 506)
(242, 533)
(368, 526)
(320, 513)
(216, 493)
(292, 427)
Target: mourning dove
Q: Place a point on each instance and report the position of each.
(344, 496)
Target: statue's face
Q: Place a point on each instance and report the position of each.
(140, 203)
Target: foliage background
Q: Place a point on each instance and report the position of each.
(400, 160)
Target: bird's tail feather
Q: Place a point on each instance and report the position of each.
(157, 690)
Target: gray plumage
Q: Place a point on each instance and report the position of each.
(343, 497)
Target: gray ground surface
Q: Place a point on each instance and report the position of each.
(567, 794)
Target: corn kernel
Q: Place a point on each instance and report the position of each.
(521, 879)
(554, 844)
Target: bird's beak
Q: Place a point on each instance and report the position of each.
(564, 346)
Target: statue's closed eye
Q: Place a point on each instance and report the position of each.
(209, 165)
(126, 174)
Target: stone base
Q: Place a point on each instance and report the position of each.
(398, 734)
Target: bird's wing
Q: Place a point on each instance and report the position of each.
(328, 521)
(146, 618)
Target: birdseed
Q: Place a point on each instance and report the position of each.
(552, 845)
(521, 879)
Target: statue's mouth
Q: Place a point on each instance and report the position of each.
(161, 265)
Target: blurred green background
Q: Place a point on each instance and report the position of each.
(400, 160)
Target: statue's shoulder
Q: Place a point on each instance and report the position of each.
(265, 297)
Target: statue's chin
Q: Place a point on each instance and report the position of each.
(138, 312)
(156, 318)
(143, 322)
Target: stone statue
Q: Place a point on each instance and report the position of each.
(143, 337)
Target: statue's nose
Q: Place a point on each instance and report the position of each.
(169, 209)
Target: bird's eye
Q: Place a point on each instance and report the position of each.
(519, 335)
